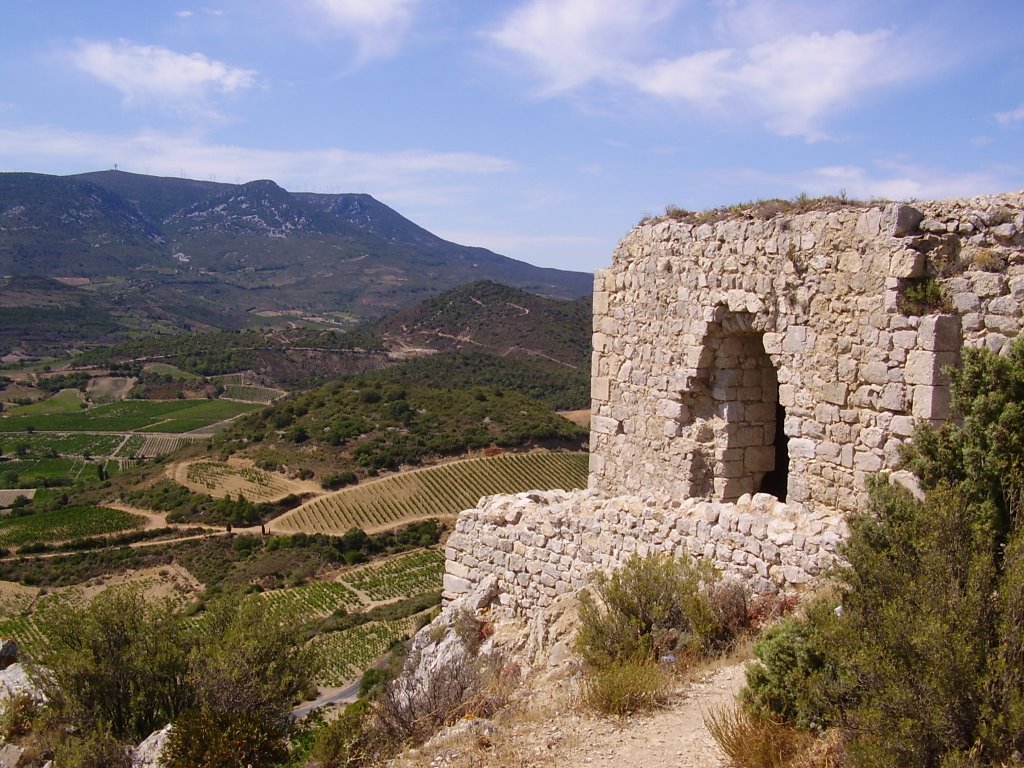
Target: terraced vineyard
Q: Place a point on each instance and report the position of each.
(65, 523)
(152, 447)
(403, 576)
(319, 599)
(438, 491)
(344, 655)
(222, 479)
(28, 620)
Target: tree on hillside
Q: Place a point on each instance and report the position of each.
(123, 667)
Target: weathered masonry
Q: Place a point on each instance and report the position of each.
(749, 374)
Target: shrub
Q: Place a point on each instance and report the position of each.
(16, 715)
(653, 606)
(411, 709)
(752, 740)
(346, 742)
(793, 679)
(211, 739)
(622, 687)
(95, 748)
(922, 296)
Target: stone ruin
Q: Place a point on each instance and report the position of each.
(749, 375)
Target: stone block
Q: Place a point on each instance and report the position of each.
(903, 219)
(874, 373)
(456, 585)
(604, 425)
(907, 263)
(939, 333)
(932, 403)
(893, 397)
(987, 284)
(801, 448)
(928, 367)
(600, 388)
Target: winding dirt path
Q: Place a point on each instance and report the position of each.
(675, 736)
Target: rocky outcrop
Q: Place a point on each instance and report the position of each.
(148, 753)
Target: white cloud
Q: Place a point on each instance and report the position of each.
(184, 14)
(571, 42)
(419, 177)
(152, 75)
(378, 27)
(899, 181)
(790, 82)
(1013, 116)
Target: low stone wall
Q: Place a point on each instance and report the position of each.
(543, 544)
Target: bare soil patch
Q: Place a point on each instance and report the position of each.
(107, 389)
(581, 416)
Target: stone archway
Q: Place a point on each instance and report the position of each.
(735, 420)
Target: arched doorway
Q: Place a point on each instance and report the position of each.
(736, 419)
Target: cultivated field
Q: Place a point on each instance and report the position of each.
(65, 523)
(317, 600)
(130, 416)
(344, 655)
(399, 577)
(153, 447)
(64, 445)
(220, 479)
(440, 491)
(65, 401)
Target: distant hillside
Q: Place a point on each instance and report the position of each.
(478, 335)
(223, 255)
(488, 317)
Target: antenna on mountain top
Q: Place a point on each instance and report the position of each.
(115, 166)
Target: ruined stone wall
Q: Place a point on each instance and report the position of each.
(544, 543)
(692, 321)
(743, 355)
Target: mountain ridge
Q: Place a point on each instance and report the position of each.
(236, 253)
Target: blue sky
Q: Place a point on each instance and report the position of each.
(542, 129)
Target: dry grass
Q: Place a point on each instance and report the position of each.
(751, 741)
(625, 687)
(763, 209)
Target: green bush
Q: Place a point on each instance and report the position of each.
(794, 678)
(96, 748)
(212, 739)
(925, 665)
(652, 607)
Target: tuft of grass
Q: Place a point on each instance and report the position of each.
(752, 741)
(623, 687)
(922, 296)
(763, 209)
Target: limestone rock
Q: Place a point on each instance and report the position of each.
(148, 753)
